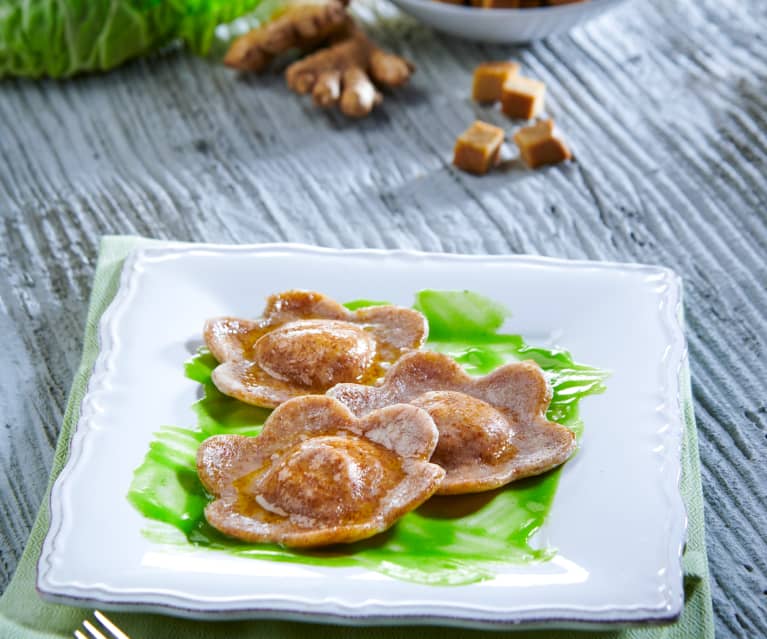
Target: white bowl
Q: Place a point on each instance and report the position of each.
(504, 25)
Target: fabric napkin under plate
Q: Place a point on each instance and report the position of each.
(23, 615)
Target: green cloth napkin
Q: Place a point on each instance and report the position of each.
(23, 615)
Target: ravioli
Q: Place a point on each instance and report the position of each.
(318, 475)
(492, 430)
(305, 343)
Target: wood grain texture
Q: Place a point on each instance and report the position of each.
(664, 104)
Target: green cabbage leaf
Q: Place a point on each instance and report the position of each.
(60, 38)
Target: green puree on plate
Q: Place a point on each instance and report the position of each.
(448, 540)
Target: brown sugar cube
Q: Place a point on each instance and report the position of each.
(476, 149)
(538, 145)
(522, 97)
(489, 78)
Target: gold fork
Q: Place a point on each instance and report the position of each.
(95, 633)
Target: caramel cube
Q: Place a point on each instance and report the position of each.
(538, 145)
(522, 97)
(477, 148)
(489, 78)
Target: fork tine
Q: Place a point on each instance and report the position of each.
(94, 632)
(80, 635)
(109, 625)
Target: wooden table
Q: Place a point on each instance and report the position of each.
(665, 106)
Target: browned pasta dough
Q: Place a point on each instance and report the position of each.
(492, 429)
(305, 343)
(318, 475)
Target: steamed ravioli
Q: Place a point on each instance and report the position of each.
(305, 343)
(318, 475)
(492, 429)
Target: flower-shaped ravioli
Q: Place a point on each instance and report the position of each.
(305, 343)
(492, 429)
(318, 475)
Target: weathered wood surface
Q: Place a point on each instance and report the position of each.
(665, 104)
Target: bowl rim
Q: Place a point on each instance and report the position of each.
(528, 11)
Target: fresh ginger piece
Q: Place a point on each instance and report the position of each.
(302, 75)
(343, 73)
(327, 90)
(477, 148)
(302, 26)
(359, 93)
(489, 78)
(389, 69)
(522, 97)
(538, 145)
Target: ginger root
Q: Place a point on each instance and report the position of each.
(301, 26)
(342, 72)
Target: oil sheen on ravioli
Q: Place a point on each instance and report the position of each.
(305, 343)
(492, 429)
(318, 475)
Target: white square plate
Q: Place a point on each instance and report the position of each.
(617, 521)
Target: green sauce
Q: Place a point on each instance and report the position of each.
(448, 540)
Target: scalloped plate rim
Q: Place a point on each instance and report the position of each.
(371, 612)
